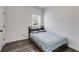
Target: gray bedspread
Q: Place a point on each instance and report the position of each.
(48, 41)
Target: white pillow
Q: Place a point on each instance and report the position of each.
(35, 31)
(42, 30)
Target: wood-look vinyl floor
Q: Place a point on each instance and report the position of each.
(27, 46)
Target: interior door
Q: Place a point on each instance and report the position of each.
(2, 19)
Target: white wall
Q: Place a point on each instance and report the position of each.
(17, 21)
(65, 22)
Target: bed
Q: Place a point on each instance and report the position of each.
(46, 41)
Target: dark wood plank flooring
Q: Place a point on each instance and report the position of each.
(27, 46)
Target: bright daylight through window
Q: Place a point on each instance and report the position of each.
(35, 20)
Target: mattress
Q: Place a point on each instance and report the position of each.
(48, 41)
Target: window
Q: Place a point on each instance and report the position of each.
(35, 20)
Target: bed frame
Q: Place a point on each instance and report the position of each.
(30, 29)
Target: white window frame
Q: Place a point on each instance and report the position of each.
(39, 18)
